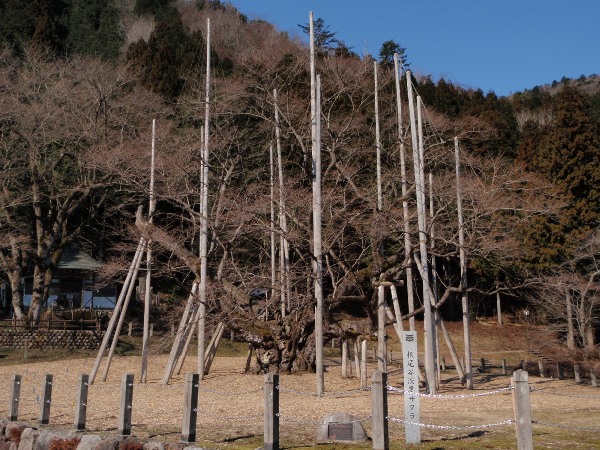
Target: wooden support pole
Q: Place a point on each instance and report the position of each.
(190, 408)
(559, 371)
(379, 412)
(271, 414)
(126, 405)
(344, 358)
(130, 329)
(249, 358)
(81, 404)
(363, 365)
(593, 378)
(212, 348)
(356, 358)
(576, 373)
(482, 360)
(46, 400)
(381, 347)
(15, 395)
(443, 365)
(541, 365)
(522, 409)
(503, 366)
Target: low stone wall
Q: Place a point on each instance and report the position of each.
(20, 436)
(47, 339)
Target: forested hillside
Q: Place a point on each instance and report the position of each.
(81, 81)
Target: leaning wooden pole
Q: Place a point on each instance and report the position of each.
(316, 209)
(116, 311)
(204, 216)
(177, 347)
(148, 291)
(430, 371)
(117, 333)
(463, 272)
(410, 293)
(284, 246)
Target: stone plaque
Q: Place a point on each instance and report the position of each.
(340, 431)
(341, 427)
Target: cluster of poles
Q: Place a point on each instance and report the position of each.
(195, 311)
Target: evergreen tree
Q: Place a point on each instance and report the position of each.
(570, 154)
(386, 54)
(94, 29)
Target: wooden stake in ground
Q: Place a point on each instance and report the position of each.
(315, 83)
(204, 216)
(463, 272)
(148, 293)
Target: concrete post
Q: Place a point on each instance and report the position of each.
(46, 400)
(14, 398)
(190, 408)
(379, 411)
(81, 405)
(522, 409)
(271, 414)
(126, 405)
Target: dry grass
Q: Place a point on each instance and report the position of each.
(230, 405)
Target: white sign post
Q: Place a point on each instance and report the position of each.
(411, 387)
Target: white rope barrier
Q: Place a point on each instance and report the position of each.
(450, 397)
(453, 427)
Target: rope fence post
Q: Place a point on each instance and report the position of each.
(81, 405)
(271, 412)
(190, 408)
(14, 398)
(379, 411)
(522, 409)
(126, 405)
(46, 400)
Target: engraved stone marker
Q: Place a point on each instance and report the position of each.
(341, 427)
(411, 387)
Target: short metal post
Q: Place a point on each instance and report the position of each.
(522, 409)
(190, 408)
(46, 400)
(126, 405)
(379, 412)
(14, 398)
(81, 406)
(271, 414)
